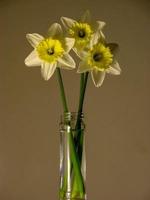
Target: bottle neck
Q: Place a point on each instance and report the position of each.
(71, 116)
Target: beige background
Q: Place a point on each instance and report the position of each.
(117, 114)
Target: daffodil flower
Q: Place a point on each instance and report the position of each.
(82, 30)
(50, 52)
(99, 59)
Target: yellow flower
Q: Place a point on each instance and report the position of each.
(82, 30)
(50, 52)
(99, 59)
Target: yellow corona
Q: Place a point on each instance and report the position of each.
(100, 57)
(82, 33)
(50, 50)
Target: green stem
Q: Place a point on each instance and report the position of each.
(62, 91)
(76, 165)
(65, 108)
(81, 89)
(78, 133)
(83, 84)
(82, 93)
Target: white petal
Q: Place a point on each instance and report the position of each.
(102, 37)
(55, 30)
(114, 68)
(81, 54)
(33, 60)
(67, 22)
(69, 43)
(66, 62)
(64, 66)
(94, 38)
(34, 39)
(97, 77)
(47, 70)
(84, 67)
(100, 25)
(86, 17)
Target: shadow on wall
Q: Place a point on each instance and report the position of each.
(145, 4)
(5, 3)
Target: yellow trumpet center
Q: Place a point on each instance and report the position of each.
(100, 57)
(50, 50)
(82, 32)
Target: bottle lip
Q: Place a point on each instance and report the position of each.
(72, 115)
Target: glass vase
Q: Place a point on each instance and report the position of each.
(72, 157)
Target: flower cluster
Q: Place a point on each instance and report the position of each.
(85, 38)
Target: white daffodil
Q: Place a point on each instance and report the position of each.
(50, 52)
(99, 59)
(82, 30)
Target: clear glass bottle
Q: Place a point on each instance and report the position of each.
(72, 156)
